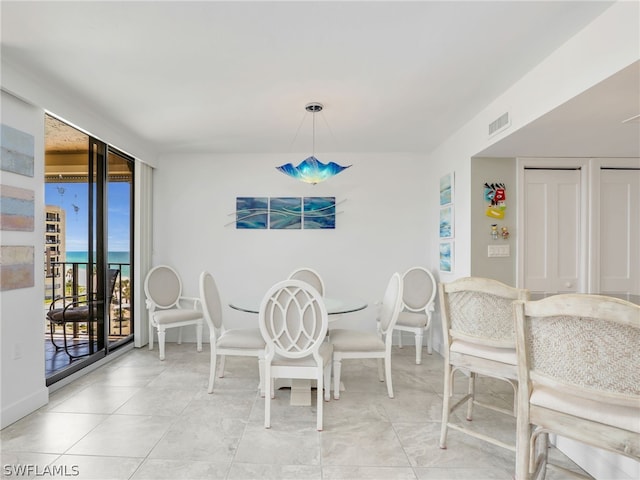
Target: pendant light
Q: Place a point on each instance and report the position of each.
(311, 170)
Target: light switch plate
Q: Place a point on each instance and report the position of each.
(498, 251)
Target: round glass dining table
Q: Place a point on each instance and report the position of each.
(335, 306)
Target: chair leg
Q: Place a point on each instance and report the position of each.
(161, 335)
(261, 387)
(179, 335)
(380, 370)
(472, 395)
(66, 347)
(337, 368)
(523, 455)
(212, 367)
(399, 338)
(429, 340)
(199, 337)
(387, 371)
(419, 348)
(52, 329)
(151, 335)
(221, 368)
(446, 401)
(319, 400)
(327, 382)
(267, 397)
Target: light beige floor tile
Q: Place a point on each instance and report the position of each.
(191, 438)
(285, 443)
(24, 465)
(163, 401)
(94, 467)
(244, 471)
(48, 432)
(367, 473)
(363, 444)
(123, 436)
(157, 469)
(96, 399)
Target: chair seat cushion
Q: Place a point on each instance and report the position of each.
(325, 351)
(626, 418)
(77, 314)
(344, 340)
(176, 315)
(502, 355)
(412, 319)
(241, 338)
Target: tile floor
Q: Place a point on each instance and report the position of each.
(140, 418)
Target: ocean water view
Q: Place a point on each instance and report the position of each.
(113, 258)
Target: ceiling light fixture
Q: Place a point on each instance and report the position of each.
(311, 170)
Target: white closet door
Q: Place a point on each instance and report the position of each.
(552, 246)
(620, 231)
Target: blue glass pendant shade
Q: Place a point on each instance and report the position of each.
(311, 170)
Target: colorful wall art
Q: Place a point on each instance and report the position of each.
(319, 212)
(447, 221)
(252, 212)
(17, 208)
(446, 189)
(16, 267)
(17, 151)
(446, 257)
(285, 213)
(495, 195)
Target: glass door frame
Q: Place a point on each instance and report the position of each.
(98, 161)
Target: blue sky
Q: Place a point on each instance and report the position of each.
(72, 197)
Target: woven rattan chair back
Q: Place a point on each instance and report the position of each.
(579, 375)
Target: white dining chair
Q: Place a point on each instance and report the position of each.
(418, 303)
(166, 305)
(293, 321)
(349, 343)
(246, 342)
(309, 275)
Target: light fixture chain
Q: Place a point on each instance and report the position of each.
(313, 145)
(297, 132)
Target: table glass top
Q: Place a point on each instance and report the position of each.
(335, 306)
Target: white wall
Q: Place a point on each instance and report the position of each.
(22, 320)
(384, 226)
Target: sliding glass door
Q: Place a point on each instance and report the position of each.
(89, 194)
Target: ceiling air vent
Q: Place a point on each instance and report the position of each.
(499, 124)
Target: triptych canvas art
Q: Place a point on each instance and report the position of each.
(17, 208)
(285, 213)
(446, 222)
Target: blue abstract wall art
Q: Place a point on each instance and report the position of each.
(252, 212)
(285, 213)
(319, 212)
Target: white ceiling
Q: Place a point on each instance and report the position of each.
(228, 77)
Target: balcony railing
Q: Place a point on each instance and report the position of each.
(73, 283)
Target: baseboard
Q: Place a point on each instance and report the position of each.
(23, 407)
(599, 463)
